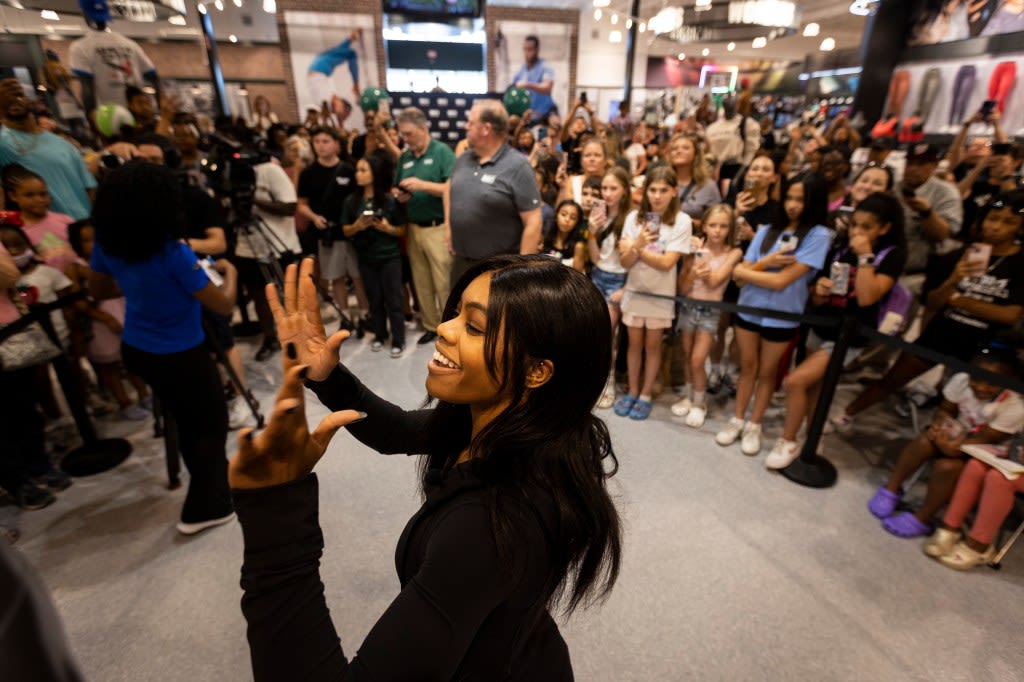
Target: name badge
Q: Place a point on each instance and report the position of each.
(488, 179)
(428, 162)
(343, 181)
(408, 164)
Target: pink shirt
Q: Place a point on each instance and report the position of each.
(50, 238)
(8, 313)
(701, 291)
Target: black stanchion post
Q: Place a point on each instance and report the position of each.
(811, 469)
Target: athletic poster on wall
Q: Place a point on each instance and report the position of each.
(944, 21)
(334, 57)
(510, 55)
(946, 92)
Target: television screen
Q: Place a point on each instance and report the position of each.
(418, 54)
(435, 8)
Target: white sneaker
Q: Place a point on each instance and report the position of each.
(682, 408)
(731, 432)
(782, 455)
(840, 423)
(695, 418)
(239, 414)
(750, 441)
(607, 398)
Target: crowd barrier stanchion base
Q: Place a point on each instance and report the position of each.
(96, 457)
(813, 472)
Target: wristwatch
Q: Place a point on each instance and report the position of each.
(865, 259)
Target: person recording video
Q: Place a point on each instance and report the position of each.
(166, 287)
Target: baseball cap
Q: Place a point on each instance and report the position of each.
(923, 152)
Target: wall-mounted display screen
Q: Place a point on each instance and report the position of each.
(417, 54)
(435, 8)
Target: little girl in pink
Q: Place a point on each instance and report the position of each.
(46, 230)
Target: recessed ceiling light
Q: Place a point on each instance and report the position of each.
(759, 42)
(828, 44)
(49, 15)
(233, 38)
(811, 30)
(681, 56)
(731, 47)
(177, 20)
(705, 52)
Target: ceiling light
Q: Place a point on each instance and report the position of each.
(269, 6)
(238, 3)
(828, 44)
(811, 30)
(597, 15)
(705, 52)
(629, 24)
(731, 47)
(219, 5)
(615, 18)
(233, 38)
(759, 42)
(682, 56)
(642, 27)
(667, 20)
(702, 5)
(863, 8)
(615, 37)
(202, 9)
(49, 15)
(177, 20)
(602, 3)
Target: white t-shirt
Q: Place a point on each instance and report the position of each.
(49, 281)
(272, 184)
(112, 61)
(608, 260)
(672, 238)
(1004, 413)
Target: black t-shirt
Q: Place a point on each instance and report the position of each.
(327, 187)
(1002, 284)
(888, 261)
(201, 212)
(982, 192)
(374, 247)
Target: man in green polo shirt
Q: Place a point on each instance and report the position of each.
(423, 169)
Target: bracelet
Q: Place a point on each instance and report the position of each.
(865, 259)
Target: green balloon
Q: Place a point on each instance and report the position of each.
(371, 98)
(517, 101)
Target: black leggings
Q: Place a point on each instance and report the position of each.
(22, 452)
(188, 387)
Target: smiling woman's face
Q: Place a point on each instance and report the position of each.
(459, 372)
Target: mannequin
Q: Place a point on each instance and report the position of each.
(107, 62)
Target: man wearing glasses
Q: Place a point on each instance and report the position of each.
(423, 169)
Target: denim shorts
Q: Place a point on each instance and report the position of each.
(607, 282)
(693, 317)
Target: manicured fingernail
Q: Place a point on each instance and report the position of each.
(292, 352)
(292, 410)
(303, 372)
(362, 416)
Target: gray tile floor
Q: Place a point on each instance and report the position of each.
(730, 572)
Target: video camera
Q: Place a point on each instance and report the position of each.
(230, 169)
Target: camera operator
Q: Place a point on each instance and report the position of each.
(323, 188)
(273, 238)
(163, 339)
(205, 236)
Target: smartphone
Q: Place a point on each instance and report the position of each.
(907, 192)
(652, 221)
(840, 276)
(583, 97)
(749, 184)
(986, 107)
(599, 209)
(368, 213)
(1001, 149)
(979, 254)
(788, 243)
(848, 210)
(215, 277)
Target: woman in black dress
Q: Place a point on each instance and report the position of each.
(516, 520)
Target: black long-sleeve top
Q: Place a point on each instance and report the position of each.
(464, 612)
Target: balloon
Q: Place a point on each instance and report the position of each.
(517, 101)
(110, 118)
(371, 98)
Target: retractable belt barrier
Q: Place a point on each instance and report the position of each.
(811, 469)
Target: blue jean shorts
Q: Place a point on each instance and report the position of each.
(693, 317)
(607, 282)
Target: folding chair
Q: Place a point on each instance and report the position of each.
(998, 558)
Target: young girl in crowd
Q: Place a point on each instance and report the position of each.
(591, 192)
(986, 487)
(106, 318)
(565, 241)
(973, 411)
(775, 274)
(872, 178)
(705, 279)
(653, 240)
(46, 230)
(373, 221)
(860, 272)
(49, 283)
(606, 220)
(974, 294)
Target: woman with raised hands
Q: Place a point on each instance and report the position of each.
(516, 520)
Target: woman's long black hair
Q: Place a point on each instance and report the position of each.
(138, 209)
(548, 442)
(887, 209)
(815, 212)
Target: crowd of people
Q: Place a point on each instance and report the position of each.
(801, 219)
